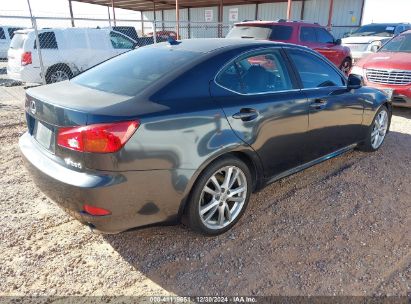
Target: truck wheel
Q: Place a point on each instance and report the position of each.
(59, 72)
(346, 66)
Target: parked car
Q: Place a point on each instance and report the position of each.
(131, 32)
(65, 52)
(6, 34)
(389, 69)
(311, 35)
(372, 36)
(189, 130)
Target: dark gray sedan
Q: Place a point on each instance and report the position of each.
(188, 130)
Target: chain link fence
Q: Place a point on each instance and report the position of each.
(49, 49)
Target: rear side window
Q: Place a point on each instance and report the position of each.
(2, 34)
(307, 34)
(47, 41)
(262, 72)
(11, 31)
(250, 31)
(323, 36)
(281, 32)
(314, 72)
(132, 72)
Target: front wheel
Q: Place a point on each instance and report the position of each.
(346, 66)
(219, 197)
(377, 131)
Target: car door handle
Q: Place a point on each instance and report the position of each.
(319, 104)
(246, 114)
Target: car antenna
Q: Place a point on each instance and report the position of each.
(172, 41)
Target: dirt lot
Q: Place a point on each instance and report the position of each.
(339, 228)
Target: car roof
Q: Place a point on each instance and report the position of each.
(386, 24)
(275, 22)
(207, 45)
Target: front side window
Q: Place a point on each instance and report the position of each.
(323, 36)
(2, 34)
(314, 72)
(262, 72)
(307, 34)
(120, 42)
(47, 41)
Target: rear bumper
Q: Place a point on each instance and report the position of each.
(135, 198)
(24, 74)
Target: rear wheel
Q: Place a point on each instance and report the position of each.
(346, 66)
(377, 131)
(58, 73)
(220, 196)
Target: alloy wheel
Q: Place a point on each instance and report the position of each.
(59, 75)
(222, 198)
(380, 129)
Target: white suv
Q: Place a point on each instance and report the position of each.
(6, 34)
(64, 52)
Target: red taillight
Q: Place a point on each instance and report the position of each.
(26, 58)
(98, 138)
(92, 210)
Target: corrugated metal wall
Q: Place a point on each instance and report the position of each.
(346, 16)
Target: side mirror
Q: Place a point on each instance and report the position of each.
(338, 42)
(354, 82)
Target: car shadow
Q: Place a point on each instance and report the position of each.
(305, 234)
(403, 112)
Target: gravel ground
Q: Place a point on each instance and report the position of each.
(339, 228)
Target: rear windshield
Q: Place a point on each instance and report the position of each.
(401, 43)
(261, 32)
(130, 73)
(17, 41)
(383, 30)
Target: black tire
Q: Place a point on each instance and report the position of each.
(367, 146)
(61, 67)
(193, 218)
(346, 66)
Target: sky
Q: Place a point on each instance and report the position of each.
(374, 10)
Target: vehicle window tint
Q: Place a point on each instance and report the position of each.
(315, 72)
(130, 73)
(308, 34)
(281, 32)
(47, 41)
(250, 31)
(230, 79)
(261, 72)
(120, 42)
(323, 36)
(2, 34)
(11, 31)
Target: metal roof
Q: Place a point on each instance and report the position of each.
(148, 5)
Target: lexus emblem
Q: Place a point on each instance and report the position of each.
(33, 106)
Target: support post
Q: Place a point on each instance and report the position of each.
(162, 21)
(154, 23)
(289, 9)
(220, 19)
(114, 12)
(256, 11)
(71, 13)
(109, 17)
(177, 20)
(189, 23)
(330, 14)
(362, 13)
(142, 22)
(34, 24)
(302, 10)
